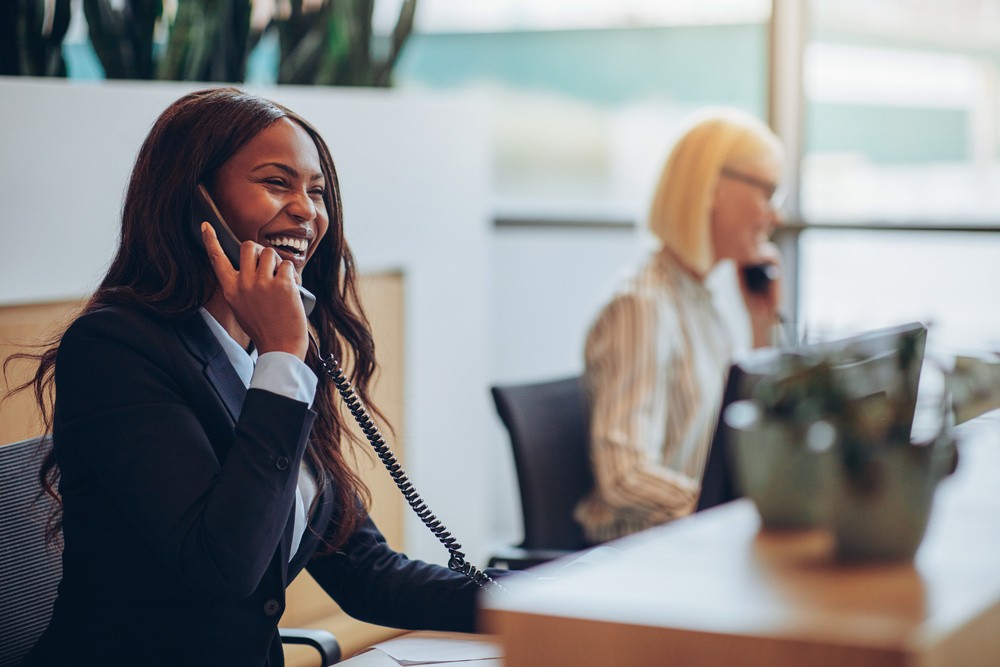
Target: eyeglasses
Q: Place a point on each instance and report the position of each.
(774, 193)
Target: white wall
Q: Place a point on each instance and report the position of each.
(414, 174)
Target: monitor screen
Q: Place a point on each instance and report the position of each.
(869, 360)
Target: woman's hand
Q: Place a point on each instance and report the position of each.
(763, 306)
(263, 295)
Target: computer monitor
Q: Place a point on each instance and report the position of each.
(871, 355)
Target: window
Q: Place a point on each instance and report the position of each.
(586, 95)
(902, 112)
(860, 279)
(900, 178)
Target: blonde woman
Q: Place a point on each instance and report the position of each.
(656, 356)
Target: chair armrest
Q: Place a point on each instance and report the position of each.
(516, 558)
(321, 640)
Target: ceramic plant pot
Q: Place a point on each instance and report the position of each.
(787, 471)
(884, 499)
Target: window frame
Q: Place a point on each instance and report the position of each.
(788, 35)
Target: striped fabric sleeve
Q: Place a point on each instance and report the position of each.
(630, 408)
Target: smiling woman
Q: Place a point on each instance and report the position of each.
(272, 190)
(200, 462)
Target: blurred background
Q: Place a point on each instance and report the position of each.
(889, 107)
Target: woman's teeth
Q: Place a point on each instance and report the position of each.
(292, 244)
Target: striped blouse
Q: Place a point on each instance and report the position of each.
(656, 359)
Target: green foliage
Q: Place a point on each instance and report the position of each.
(332, 45)
(325, 43)
(31, 39)
(208, 41)
(869, 404)
(123, 38)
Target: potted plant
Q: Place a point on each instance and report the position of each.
(828, 443)
(781, 442)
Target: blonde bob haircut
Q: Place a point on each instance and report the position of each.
(680, 215)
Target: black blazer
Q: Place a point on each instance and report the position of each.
(179, 490)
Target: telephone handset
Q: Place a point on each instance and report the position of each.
(203, 209)
(759, 277)
(456, 561)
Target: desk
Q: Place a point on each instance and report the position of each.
(714, 589)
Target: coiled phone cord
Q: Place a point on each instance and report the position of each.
(456, 560)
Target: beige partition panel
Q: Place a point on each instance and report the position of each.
(383, 297)
(22, 327)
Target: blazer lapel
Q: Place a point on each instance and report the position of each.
(227, 384)
(221, 375)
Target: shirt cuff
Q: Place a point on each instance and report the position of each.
(286, 375)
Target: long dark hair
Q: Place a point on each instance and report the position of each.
(158, 268)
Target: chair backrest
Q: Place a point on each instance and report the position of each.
(549, 433)
(718, 481)
(29, 569)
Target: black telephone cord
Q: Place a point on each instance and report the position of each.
(456, 560)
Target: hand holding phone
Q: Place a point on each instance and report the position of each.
(761, 283)
(758, 277)
(261, 298)
(259, 295)
(205, 210)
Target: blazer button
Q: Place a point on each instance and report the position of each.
(272, 607)
(281, 463)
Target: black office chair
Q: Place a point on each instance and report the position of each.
(718, 481)
(30, 570)
(549, 434)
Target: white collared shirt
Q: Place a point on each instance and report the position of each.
(283, 374)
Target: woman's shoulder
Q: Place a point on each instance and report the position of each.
(119, 322)
(648, 283)
(643, 298)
